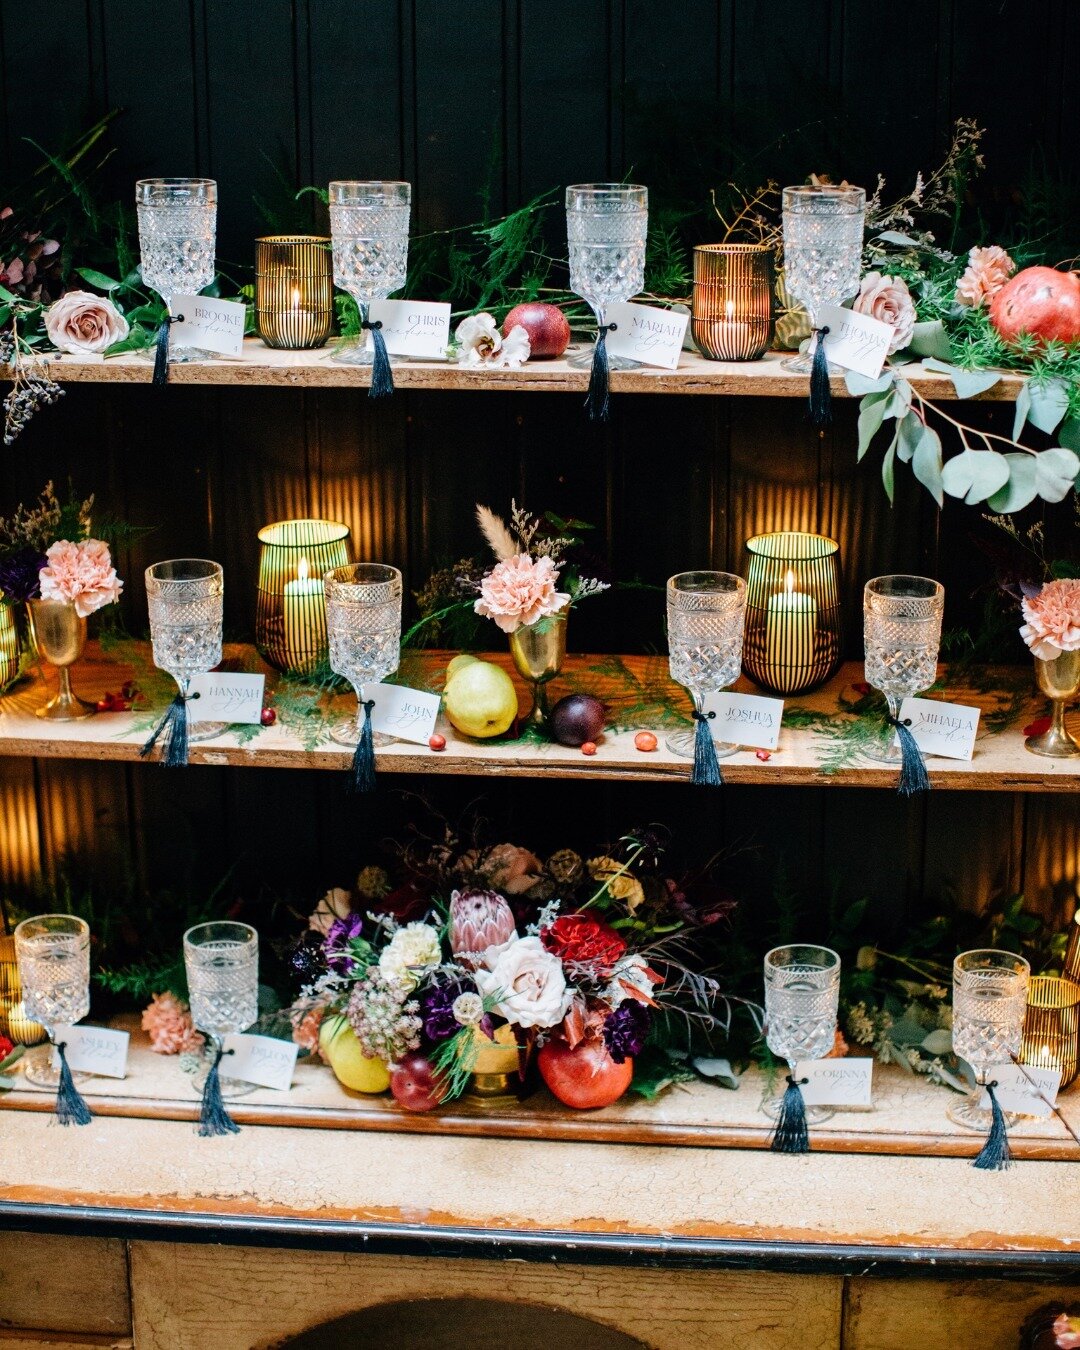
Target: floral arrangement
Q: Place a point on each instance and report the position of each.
(1052, 619)
(46, 553)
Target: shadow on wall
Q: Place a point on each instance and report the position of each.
(461, 1324)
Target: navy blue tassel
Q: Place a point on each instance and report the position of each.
(214, 1120)
(913, 775)
(597, 400)
(791, 1134)
(382, 378)
(820, 393)
(362, 774)
(994, 1155)
(173, 726)
(706, 770)
(71, 1109)
(161, 352)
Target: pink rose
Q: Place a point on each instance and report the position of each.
(987, 271)
(529, 984)
(81, 322)
(1053, 619)
(520, 591)
(81, 574)
(888, 299)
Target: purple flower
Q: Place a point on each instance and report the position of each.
(19, 574)
(625, 1030)
(437, 1009)
(342, 932)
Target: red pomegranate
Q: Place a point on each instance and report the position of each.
(1041, 301)
(585, 1077)
(546, 325)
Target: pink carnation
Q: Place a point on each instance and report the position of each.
(520, 591)
(81, 574)
(987, 271)
(169, 1023)
(1053, 619)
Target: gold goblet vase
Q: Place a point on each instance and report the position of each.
(59, 636)
(1059, 680)
(539, 651)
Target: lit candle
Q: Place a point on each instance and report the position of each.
(305, 619)
(296, 299)
(790, 626)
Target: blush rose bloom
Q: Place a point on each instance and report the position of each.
(1053, 619)
(81, 574)
(888, 299)
(529, 984)
(520, 591)
(987, 271)
(81, 322)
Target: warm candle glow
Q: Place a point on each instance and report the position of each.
(296, 297)
(729, 309)
(302, 570)
(789, 581)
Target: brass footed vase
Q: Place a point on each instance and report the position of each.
(1059, 680)
(59, 637)
(539, 651)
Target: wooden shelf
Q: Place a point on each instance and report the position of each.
(636, 690)
(262, 366)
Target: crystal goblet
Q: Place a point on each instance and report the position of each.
(705, 620)
(185, 598)
(222, 964)
(53, 952)
(369, 230)
(823, 235)
(177, 240)
(363, 624)
(989, 1001)
(802, 993)
(607, 225)
(901, 633)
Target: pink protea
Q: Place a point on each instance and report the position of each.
(1053, 619)
(81, 574)
(987, 271)
(481, 926)
(168, 1021)
(520, 591)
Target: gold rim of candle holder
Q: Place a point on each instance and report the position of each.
(294, 290)
(794, 646)
(290, 624)
(1051, 1038)
(11, 645)
(732, 315)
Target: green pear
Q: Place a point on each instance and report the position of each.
(480, 699)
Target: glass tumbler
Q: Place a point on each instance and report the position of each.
(989, 1000)
(706, 614)
(369, 230)
(222, 964)
(802, 994)
(53, 952)
(177, 242)
(607, 225)
(823, 237)
(901, 633)
(185, 597)
(363, 622)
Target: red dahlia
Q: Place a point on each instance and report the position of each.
(580, 939)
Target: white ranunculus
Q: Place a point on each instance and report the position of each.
(529, 983)
(481, 344)
(81, 322)
(409, 952)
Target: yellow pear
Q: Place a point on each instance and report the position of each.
(341, 1050)
(480, 699)
(459, 662)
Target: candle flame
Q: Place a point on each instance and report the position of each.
(789, 581)
(296, 297)
(302, 570)
(729, 309)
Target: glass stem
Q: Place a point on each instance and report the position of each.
(598, 310)
(894, 706)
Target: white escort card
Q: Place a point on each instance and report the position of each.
(836, 1082)
(1025, 1090)
(224, 696)
(646, 334)
(857, 342)
(213, 325)
(92, 1050)
(419, 328)
(263, 1060)
(947, 729)
(408, 714)
(745, 719)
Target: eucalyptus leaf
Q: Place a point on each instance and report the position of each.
(1021, 489)
(7, 1082)
(896, 237)
(858, 385)
(888, 467)
(717, 1071)
(938, 1042)
(898, 1056)
(1055, 473)
(930, 339)
(975, 475)
(910, 430)
(1023, 407)
(1049, 404)
(871, 415)
(926, 463)
(967, 383)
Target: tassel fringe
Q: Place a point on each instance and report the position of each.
(706, 770)
(913, 775)
(994, 1155)
(71, 1109)
(174, 727)
(214, 1120)
(597, 400)
(791, 1134)
(382, 378)
(362, 773)
(161, 353)
(820, 393)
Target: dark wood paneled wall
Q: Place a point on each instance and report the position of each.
(517, 98)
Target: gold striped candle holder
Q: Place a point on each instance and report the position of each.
(294, 293)
(1070, 966)
(14, 1023)
(732, 315)
(1052, 1026)
(290, 613)
(794, 623)
(10, 646)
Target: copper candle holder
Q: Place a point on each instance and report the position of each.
(1052, 1026)
(14, 1023)
(294, 293)
(290, 613)
(732, 316)
(794, 622)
